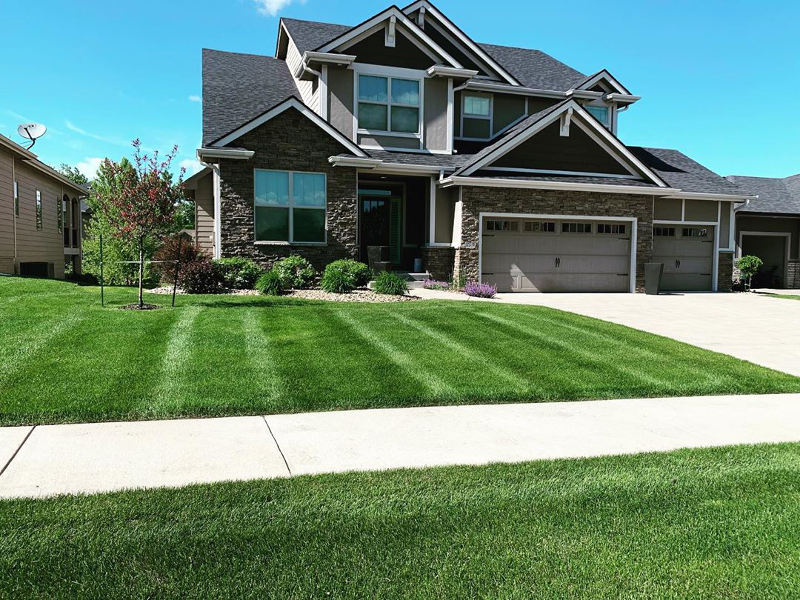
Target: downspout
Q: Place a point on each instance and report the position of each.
(215, 187)
(14, 201)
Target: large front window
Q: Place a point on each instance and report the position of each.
(388, 104)
(289, 206)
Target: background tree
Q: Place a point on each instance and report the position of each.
(73, 174)
(139, 200)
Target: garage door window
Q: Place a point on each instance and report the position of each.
(502, 225)
(576, 228)
(611, 229)
(664, 231)
(695, 232)
(540, 226)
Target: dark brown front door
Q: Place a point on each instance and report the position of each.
(375, 223)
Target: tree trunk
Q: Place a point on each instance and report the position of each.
(141, 270)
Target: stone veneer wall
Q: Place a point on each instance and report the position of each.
(793, 274)
(725, 272)
(289, 142)
(552, 202)
(438, 262)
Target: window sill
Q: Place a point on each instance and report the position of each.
(278, 243)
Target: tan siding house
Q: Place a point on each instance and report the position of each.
(39, 215)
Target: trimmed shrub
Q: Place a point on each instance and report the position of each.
(269, 284)
(164, 272)
(200, 277)
(342, 276)
(295, 272)
(390, 283)
(237, 273)
(480, 290)
(748, 266)
(432, 284)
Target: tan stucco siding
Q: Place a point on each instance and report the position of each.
(435, 116)
(204, 216)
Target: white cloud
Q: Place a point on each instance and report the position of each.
(101, 138)
(191, 165)
(195, 98)
(89, 166)
(271, 7)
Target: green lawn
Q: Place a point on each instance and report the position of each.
(785, 296)
(722, 523)
(64, 358)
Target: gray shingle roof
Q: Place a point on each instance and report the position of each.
(238, 88)
(679, 171)
(310, 35)
(775, 195)
(445, 161)
(534, 68)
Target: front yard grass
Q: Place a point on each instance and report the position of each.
(66, 359)
(785, 296)
(719, 523)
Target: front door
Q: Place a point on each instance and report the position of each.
(381, 222)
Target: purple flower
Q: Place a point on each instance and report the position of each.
(432, 284)
(480, 290)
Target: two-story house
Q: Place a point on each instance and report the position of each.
(40, 216)
(488, 162)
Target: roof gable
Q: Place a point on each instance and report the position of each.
(388, 19)
(289, 104)
(404, 53)
(567, 116)
(605, 81)
(450, 36)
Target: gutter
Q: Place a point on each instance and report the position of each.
(556, 185)
(232, 153)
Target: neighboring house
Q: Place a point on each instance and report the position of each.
(40, 216)
(487, 162)
(769, 227)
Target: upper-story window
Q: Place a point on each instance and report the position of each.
(388, 104)
(476, 117)
(16, 198)
(38, 209)
(601, 113)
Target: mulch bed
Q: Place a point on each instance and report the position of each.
(360, 295)
(136, 306)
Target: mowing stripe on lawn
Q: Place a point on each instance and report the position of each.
(35, 339)
(475, 355)
(261, 356)
(176, 353)
(569, 349)
(436, 385)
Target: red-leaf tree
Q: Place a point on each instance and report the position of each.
(141, 203)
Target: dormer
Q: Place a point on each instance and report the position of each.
(603, 96)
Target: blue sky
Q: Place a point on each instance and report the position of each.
(715, 77)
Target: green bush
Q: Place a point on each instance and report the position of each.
(748, 266)
(269, 284)
(390, 283)
(119, 255)
(237, 273)
(295, 272)
(200, 277)
(342, 276)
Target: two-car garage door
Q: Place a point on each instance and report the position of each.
(585, 255)
(556, 255)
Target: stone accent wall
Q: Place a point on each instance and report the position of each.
(725, 272)
(553, 202)
(288, 142)
(438, 262)
(793, 275)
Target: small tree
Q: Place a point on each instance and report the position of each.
(139, 202)
(749, 266)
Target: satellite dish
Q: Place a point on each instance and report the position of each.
(32, 132)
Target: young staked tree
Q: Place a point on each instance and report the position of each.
(139, 202)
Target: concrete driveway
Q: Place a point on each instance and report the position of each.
(753, 327)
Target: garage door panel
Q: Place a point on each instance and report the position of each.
(557, 261)
(688, 261)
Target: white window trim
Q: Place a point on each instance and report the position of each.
(389, 73)
(290, 207)
(489, 118)
(634, 223)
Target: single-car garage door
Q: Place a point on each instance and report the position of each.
(687, 254)
(553, 255)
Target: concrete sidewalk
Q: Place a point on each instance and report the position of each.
(89, 458)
